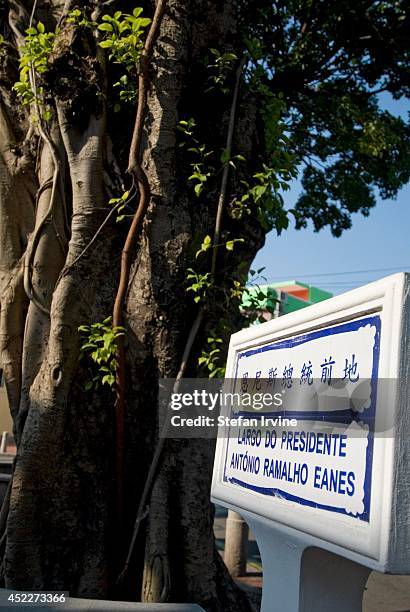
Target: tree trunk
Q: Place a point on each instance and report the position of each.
(62, 531)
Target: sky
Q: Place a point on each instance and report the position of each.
(373, 248)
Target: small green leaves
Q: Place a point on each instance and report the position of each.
(201, 171)
(231, 243)
(264, 198)
(199, 176)
(257, 272)
(226, 159)
(200, 284)
(211, 356)
(124, 37)
(34, 60)
(121, 203)
(100, 345)
(257, 298)
(251, 296)
(206, 244)
(187, 127)
(239, 207)
(105, 27)
(106, 44)
(79, 18)
(74, 14)
(220, 66)
(127, 90)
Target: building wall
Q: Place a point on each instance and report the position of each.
(5, 418)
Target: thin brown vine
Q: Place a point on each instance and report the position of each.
(139, 177)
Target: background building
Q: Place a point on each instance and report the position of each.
(5, 418)
(271, 301)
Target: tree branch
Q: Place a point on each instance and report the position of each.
(32, 247)
(224, 183)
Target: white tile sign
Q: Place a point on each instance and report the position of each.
(324, 458)
(331, 462)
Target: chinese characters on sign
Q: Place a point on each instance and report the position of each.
(327, 371)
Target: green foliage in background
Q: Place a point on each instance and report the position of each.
(332, 65)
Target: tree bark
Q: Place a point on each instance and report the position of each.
(61, 530)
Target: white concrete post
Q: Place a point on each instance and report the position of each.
(299, 578)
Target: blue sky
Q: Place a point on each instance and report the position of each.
(374, 247)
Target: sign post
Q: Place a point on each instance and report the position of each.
(321, 473)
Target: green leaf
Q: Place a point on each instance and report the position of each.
(108, 379)
(105, 27)
(231, 243)
(88, 345)
(206, 244)
(144, 22)
(230, 57)
(105, 44)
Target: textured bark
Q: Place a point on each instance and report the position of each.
(17, 189)
(180, 552)
(61, 531)
(48, 259)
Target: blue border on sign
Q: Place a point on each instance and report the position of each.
(338, 416)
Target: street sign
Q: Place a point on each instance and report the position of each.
(329, 467)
